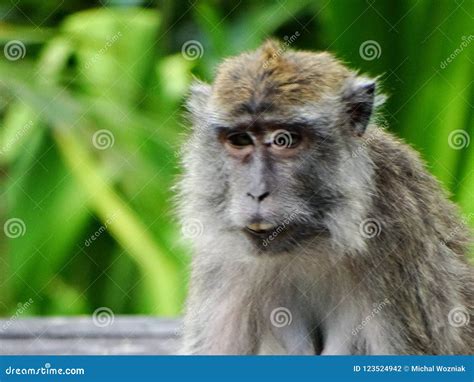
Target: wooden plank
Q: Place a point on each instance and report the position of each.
(88, 346)
(81, 335)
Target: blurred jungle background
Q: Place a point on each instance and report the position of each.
(91, 102)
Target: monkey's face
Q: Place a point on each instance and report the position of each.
(271, 148)
(276, 196)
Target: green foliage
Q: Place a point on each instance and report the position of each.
(91, 124)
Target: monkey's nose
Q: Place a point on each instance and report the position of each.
(259, 197)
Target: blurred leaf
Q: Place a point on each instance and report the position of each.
(114, 49)
(161, 274)
(25, 34)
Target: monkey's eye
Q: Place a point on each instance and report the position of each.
(239, 140)
(283, 139)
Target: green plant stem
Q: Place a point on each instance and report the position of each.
(161, 274)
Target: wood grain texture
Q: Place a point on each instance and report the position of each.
(81, 335)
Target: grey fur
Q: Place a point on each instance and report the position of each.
(372, 256)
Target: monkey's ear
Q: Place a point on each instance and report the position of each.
(359, 97)
(199, 94)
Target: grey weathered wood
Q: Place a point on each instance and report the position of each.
(80, 335)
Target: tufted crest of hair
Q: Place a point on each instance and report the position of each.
(266, 79)
(272, 79)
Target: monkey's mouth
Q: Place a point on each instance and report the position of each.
(267, 237)
(260, 229)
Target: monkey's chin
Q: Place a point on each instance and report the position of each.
(274, 242)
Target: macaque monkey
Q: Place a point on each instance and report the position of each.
(319, 231)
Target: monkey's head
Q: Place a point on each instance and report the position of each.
(271, 158)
